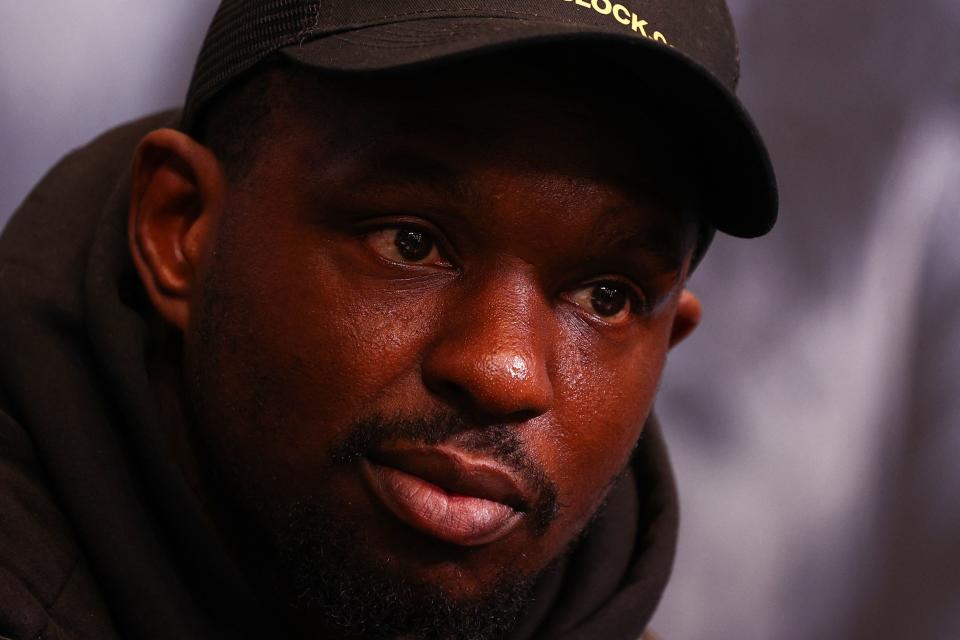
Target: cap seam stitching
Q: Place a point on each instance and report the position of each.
(307, 31)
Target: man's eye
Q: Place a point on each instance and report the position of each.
(612, 301)
(406, 244)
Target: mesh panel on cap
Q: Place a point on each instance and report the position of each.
(243, 32)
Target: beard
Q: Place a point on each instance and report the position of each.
(323, 577)
(326, 581)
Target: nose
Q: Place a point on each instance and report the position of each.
(491, 353)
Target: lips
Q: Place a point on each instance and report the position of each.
(448, 494)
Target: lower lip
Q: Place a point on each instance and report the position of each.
(462, 520)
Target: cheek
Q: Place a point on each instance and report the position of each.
(359, 344)
(319, 348)
(605, 395)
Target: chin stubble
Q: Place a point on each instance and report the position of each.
(328, 581)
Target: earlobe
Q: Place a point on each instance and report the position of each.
(687, 318)
(178, 190)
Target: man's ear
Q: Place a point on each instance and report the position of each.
(178, 193)
(687, 318)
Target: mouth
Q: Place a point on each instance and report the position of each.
(448, 494)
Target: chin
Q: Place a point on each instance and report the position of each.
(394, 583)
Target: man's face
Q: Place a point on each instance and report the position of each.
(429, 332)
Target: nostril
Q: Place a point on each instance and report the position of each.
(503, 385)
(483, 410)
(519, 417)
(451, 393)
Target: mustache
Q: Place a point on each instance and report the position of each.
(498, 441)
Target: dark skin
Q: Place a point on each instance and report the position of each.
(430, 253)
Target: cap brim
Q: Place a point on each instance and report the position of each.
(741, 194)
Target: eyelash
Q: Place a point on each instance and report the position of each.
(636, 297)
(638, 300)
(442, 247)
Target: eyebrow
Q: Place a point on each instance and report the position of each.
(662, 241)
(402, 168)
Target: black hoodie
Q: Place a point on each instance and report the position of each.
(100, 536)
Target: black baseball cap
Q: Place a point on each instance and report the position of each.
(692, 42)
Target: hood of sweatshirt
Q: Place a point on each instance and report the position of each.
(100, 534)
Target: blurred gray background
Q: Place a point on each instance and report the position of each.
(70, 69)
(814, 418)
